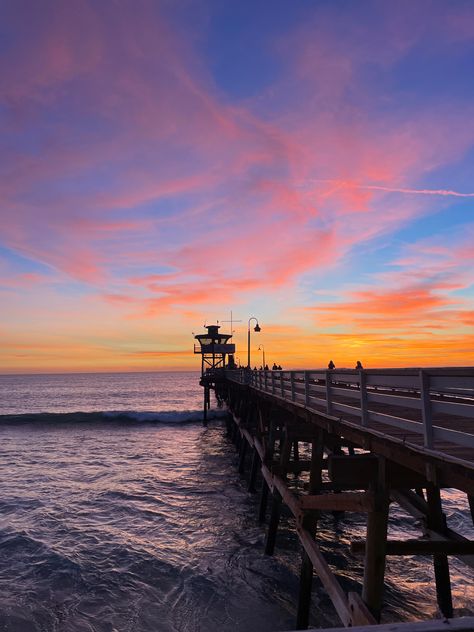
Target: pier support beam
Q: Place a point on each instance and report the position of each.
(273, 525)
(253, 470)
(375, 550)
(437, 522)
(242, 453)
(207, 404)
(470, 500)
(304, 595)
(310, 523)
(262, 510)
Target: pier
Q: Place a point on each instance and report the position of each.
(357, 441)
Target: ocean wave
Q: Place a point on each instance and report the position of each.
(117, 416)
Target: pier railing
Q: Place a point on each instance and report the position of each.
(435, 404)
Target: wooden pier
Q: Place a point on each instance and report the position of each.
(358, 441)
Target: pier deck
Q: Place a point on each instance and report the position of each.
(358, 441)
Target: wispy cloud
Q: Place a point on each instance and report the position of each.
(125, 155)
(351, 186)
(447, 192)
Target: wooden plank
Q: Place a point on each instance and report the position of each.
(382, 379)
(259, 447)
(325, 574)
(450, 536)
(345, 501)
(411, 503)
(248, 436)
(463, 439)
(420, 547)
(346, 408)
(426, 412)
(359, 470)
(397, 422)
(364, 406)
(451, 383)
(461, 624)
(395, 400)
(361, 615)
(452, 408)
(347, 392)
(277, 484)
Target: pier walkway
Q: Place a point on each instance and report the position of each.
(357, 441)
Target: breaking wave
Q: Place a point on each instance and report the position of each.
(118, 416)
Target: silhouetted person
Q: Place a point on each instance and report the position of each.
(359, 365)
(266, 367)
(274, 367)
(331, 365)
(279, 368)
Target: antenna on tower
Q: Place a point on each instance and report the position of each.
(231, 321)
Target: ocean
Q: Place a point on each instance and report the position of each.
(121, 512)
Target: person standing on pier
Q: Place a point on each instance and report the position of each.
(331, 365)
(359, 366)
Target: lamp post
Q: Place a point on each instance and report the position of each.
(257, 329)
(262, 349)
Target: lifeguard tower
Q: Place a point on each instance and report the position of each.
(213, 348)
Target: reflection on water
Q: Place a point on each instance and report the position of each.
(148, 527)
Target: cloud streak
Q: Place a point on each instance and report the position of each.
(133, 171)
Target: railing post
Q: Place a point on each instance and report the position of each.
(273, 383)
(265, 381)
(282, 390)
(363, 398)
(328, 393)
(306, 388)
(292, 378)
(426, 408)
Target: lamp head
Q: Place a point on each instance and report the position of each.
(257, 328)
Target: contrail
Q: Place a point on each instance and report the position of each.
(417, 191)
(375, 187)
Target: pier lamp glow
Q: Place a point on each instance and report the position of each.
(257, 329)
(262, 349)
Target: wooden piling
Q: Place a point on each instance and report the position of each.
(304, 594)
(436, 520)
(310, 524)
(262, 510)
(253, 470)
(273, 524)
(374, 564)
(242, 453)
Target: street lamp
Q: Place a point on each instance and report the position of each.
(257, 329)
(262, 349)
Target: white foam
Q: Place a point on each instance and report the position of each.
(166, 416)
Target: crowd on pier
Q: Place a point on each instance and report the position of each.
(277, 367)
(331, 366)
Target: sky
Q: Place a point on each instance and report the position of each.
(164, 163)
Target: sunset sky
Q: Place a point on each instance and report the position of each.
(307, 162)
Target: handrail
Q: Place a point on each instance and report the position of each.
(423, 393)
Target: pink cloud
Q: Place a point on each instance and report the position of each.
(249, 211)
(420, 293)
